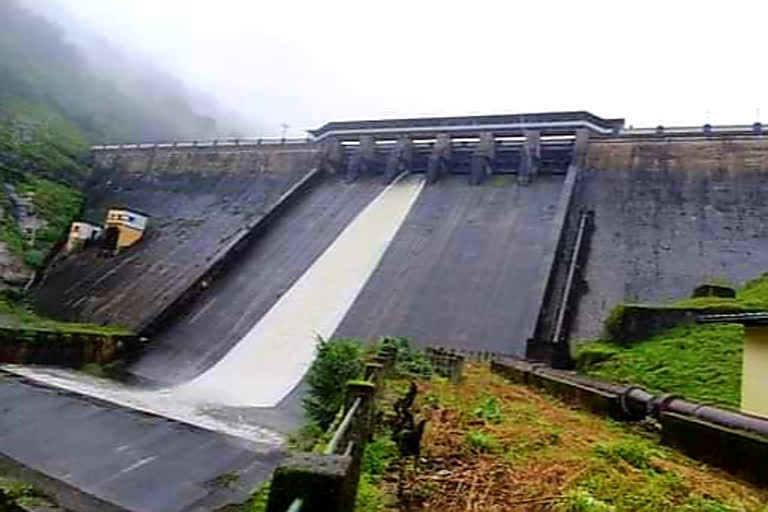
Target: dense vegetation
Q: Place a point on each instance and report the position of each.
(700, 362)
(337, 362)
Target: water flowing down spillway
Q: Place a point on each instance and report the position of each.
(271, 359)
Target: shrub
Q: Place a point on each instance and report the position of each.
(613, 323)
(34, 258)
(306, 438)
(634, 452)
(490, 410)
(377, 457)
(369, 497)
(579, 500)
(480, 442)
(410, 361)
(11, 296)
(337, 361)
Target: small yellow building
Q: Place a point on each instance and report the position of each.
(80, 233)
(754, 384)
(754, 379)
(124, 227)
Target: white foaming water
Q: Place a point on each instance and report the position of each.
(271, 359)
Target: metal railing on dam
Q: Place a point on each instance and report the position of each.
(228, 142)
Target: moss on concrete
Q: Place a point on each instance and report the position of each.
(16, 314)
(753, 296)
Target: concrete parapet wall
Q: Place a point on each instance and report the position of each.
(205, 160)
(741, 453)
(654, 153)
(71, 349)
(636, 322)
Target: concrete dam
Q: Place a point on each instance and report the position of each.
(512, 234)
(480, 260)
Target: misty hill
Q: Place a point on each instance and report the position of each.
(106, 95)
(60, 91)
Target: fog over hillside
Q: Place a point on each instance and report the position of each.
(304, 63)
(107, 92)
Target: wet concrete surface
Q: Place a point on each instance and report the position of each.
(135, 461)
(234, 303)
(273, 356)
(195, 214)
(462, 270)
(254, 391)
(661, 232)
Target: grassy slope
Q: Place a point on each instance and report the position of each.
(700, 362)
(491, 445)
(17, 315)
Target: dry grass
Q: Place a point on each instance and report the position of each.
(494, 446)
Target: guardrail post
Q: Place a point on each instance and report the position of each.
(387, 357)
(321, 481)
(359, 432)
(374, 373)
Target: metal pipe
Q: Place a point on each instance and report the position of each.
(572, 267)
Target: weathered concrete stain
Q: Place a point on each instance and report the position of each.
(464, 268)
(200, 201)
(668, 215)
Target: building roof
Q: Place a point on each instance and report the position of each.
(90, 223)
(755, 318)
(552, 120)
(127, 209)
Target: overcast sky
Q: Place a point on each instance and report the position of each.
(308, 62)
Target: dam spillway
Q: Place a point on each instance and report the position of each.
(482, 259)
(478, 261)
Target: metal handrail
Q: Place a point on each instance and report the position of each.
(240, 141)
(343, 427)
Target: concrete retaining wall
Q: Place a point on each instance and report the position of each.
(70, 349)
(634, 322)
